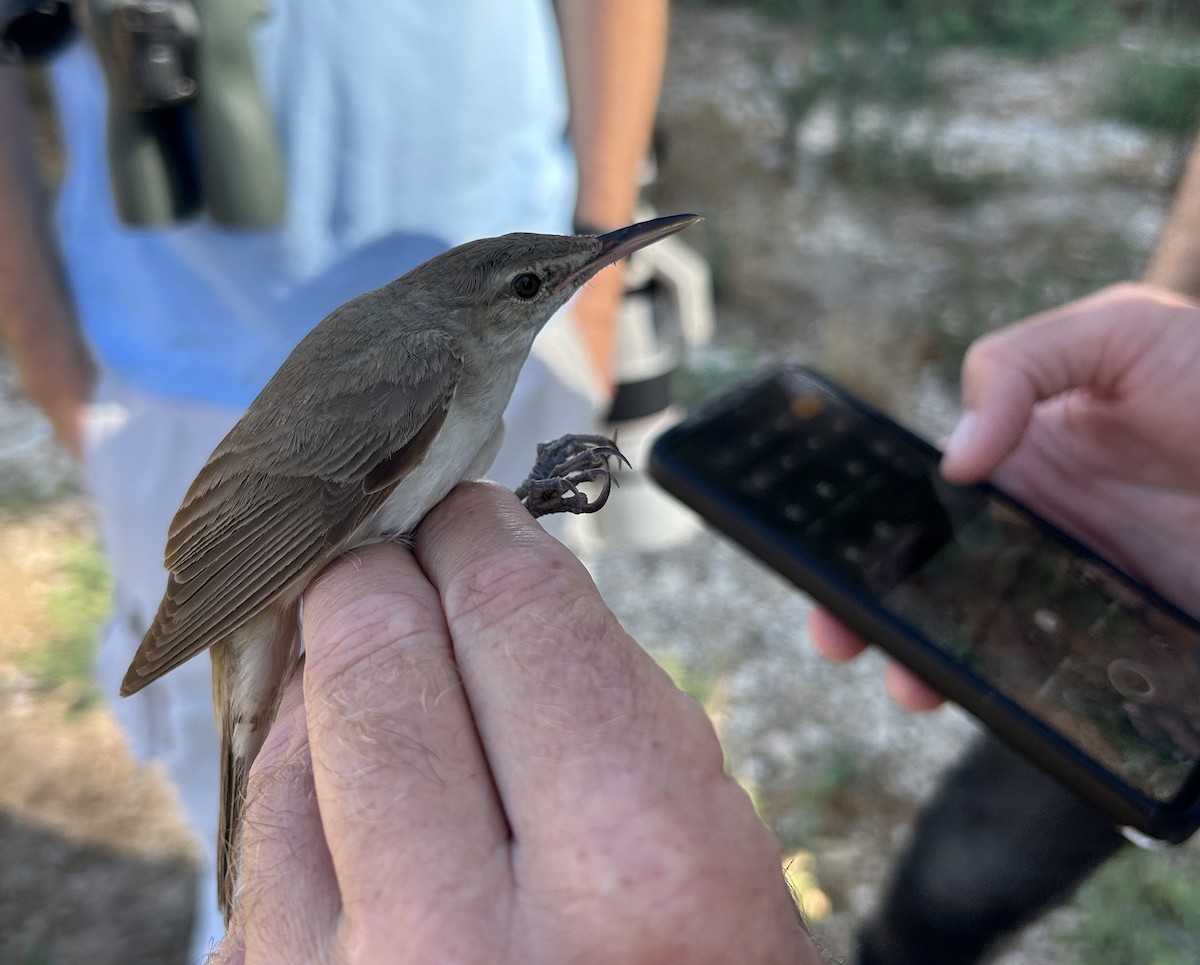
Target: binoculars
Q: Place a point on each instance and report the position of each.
(32, 30)
(188, 129)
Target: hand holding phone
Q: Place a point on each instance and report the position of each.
(1090, 409)
(1104, 452)
(1090, 413)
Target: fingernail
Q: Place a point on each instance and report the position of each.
(960, 438)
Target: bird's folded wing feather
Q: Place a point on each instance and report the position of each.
(251, 528)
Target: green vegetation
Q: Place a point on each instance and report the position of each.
(1141, 907)
(1035, 29)
(20, 497)
(34, 954)
(861, 55)
(987, 294)
(1039, 29)
(1156, 89)
(76, 611)
(702, 683)
(870, 60)
(700, 376)
(883, 158)
(808, 807)
(878, 52)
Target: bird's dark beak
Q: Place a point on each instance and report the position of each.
(624, 241)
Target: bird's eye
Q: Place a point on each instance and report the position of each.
(526, 285)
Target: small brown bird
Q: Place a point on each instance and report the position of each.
(376, 415)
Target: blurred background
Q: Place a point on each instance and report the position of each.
(881, 182)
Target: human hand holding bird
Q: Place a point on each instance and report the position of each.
(377, 414)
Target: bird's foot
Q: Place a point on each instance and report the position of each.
(561, 467)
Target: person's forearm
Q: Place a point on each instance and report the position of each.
(1175, 263)
(614, 52)
(37, 321)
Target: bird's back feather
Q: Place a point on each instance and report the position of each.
(259, 521)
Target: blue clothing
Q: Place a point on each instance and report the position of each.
(406, 125)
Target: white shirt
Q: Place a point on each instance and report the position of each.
(406, 125)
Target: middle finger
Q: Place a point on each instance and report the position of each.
(405, 792)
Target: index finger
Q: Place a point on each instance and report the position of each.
(563, 698)
(1088, 344)
(394, 753)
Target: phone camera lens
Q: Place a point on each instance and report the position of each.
(1129, 679)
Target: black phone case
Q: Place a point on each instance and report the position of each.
(1045, 747)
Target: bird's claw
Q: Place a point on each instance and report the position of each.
(561, 467)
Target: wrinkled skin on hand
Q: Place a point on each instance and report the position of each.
(478, 764)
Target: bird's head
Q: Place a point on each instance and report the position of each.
(505, 289)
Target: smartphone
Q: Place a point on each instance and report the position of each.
(1087, 672)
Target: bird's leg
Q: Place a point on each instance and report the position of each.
(561, 467)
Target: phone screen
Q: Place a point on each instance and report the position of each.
(1066, 637)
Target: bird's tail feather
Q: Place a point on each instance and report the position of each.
(250, 670)
(234, 775)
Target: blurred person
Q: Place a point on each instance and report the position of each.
(404, 128)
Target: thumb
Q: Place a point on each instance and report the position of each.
(998, 409)
(1088, 344)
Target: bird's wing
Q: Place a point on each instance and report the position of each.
(249, 529)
